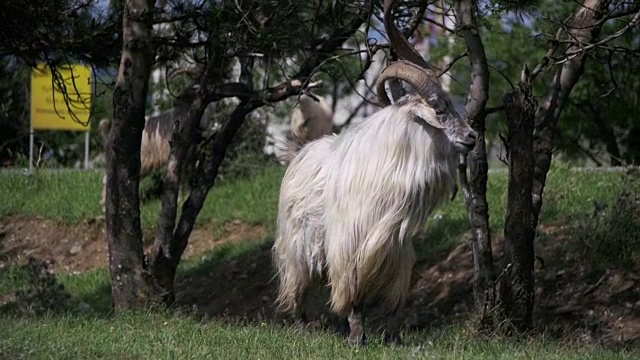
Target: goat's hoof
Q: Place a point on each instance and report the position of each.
(390, 338)
(342, 327)
(357, 340)
(300, 326)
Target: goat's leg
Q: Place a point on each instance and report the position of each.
(103, 194)
(299, 312)
(357, 334)
(342, 325)
(391, 333)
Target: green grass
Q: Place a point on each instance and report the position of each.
(568, 198)
(165, 336)
(612, 237)
(69, 197)
(72, 197)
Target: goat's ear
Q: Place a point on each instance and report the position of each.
(427, 114)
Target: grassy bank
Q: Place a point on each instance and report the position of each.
(74, 196)
(67, 332)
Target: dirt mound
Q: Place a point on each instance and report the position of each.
(81, 247)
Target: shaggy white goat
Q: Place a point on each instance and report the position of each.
(350, 203)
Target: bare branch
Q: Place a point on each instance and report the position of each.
(611, 76)
(453, 62)
(546, 59)
(571, 54)
(442, 26)
(416, 19)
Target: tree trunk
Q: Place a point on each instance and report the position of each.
(166, 257)
(165, 260)
(475, 191)
(184, 143)
(517, 282)
(584, 27)
(130, 287)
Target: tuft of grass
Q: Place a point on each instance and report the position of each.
(32, 289)
(569, 195)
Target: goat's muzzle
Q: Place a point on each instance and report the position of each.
(467, 143)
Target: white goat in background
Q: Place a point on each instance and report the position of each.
(154, 147)
(350, 203)
(312, 119)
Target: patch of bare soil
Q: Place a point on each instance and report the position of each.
(81, 247)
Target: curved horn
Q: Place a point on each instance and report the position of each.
(423, 80)
(398, 42)
(412, 68)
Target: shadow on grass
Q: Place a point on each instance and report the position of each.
(234, 285)
(236, 282)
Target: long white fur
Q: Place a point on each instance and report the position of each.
(350, 203)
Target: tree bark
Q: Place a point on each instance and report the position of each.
(517, 282)
(584, 26)
(475, 191)
(164, 261)
(130, 287)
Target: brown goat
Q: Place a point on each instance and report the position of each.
(154, 148)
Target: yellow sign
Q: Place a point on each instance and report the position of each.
(63, 103)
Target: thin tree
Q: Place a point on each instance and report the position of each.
(130, 285)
